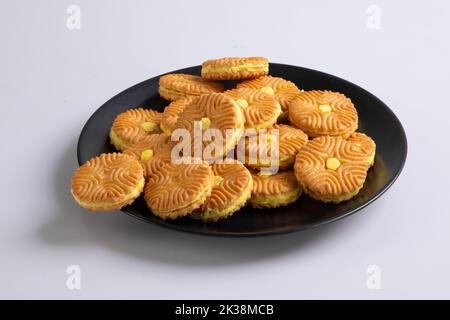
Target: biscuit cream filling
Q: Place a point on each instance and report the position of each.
(217, 180)
(324, 108)
(371, 158)
(205, 123)
(275, 200)
(164, 129)
(130, 196)
(332, 198)
(242, 103)
(146, 155)
(268, 123)
(201, 195)
(269, 90)
(175, 92)
(149, 126)
(249, 67)
(210, 213)
(333, 163)
(116, 141)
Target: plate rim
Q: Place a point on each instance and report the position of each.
(227, 234)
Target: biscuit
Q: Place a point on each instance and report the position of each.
(213, 111)
(132, 126)
(107, 182)
(284, 91)
(155, 142)
(290, 141)
(365, 144)
(232, 188)
(333, 169)
(323, 113)
(152, 157)
(178, 189)
(176, 86)
(272, 191)
(235, 68)
(171, 112)
(260, 109)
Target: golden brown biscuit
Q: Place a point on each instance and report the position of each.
(365, 144)
(232, 188)
(213, 111)
(155, 142)
(235, 68)
(272, 191)
(153, 156)
(132, 126)
(290, 141)
(323, 113)
(260, 109)
(107, 182)
(333, 169)
(171, 112)
(178, 189)
(284, 91)
(176, 86)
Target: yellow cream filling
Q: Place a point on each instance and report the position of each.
(324, 108)
(273, 201)
(174, 92)
(164, 129)
(187, 205)
(331, 198)
(132, 195)
(146, 155)
(205, 123)
(212, 214)
(240, 68)
(268, 90)
(217, 180)
(242, 103)
(333, 163)
(149, 126)
(116, 141)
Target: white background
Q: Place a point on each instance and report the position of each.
(52, 79)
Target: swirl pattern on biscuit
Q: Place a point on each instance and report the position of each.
(178, 189)
(235, 177)
(284, 91)
(262, 110)
(176, 86)
(273, 185)
(334, 184)
(154, 142)
(323, 113)
(129, 126)
(107, 179)
(222, 112)
(290, 141)
(170, 115)
(235, 68)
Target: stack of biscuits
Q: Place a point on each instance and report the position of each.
(318, 149)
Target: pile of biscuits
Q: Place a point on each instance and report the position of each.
(319, 150)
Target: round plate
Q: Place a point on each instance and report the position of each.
(375, 119)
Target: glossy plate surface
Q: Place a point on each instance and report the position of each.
(375, 119)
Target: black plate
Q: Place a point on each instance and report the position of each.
(375, 119)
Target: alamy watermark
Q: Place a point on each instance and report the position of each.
(373, 20)
(373, 281)
(73, 281)
(253, 147)
(73, 21)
